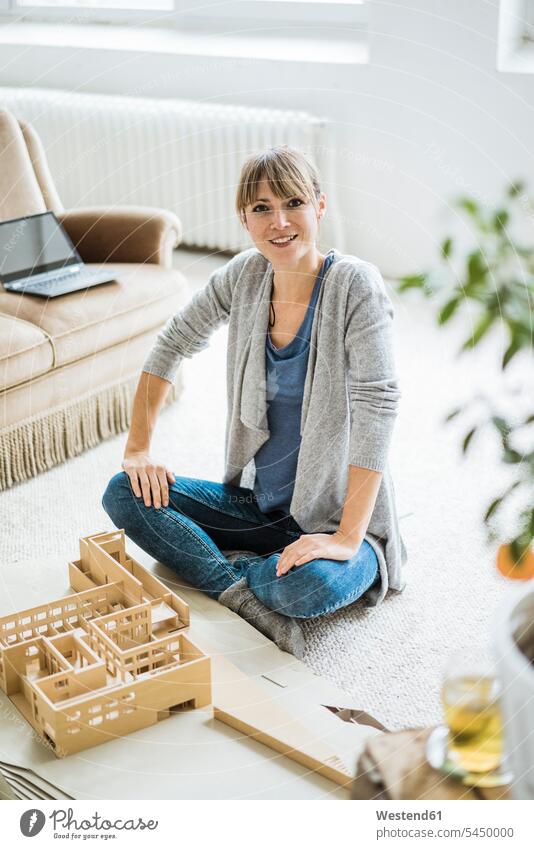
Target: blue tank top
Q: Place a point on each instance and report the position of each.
(285, 372)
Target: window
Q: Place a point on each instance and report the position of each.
(113, 714)
(98, 4)
(528, 25)
(73, 717)
(516, 36)
(314, 31)
(129, 697)
(240, 15)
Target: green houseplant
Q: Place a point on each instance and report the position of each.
(496, 274)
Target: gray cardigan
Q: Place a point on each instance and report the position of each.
(350, 393)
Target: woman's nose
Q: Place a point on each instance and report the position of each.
(279, 219)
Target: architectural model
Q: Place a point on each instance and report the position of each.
(116, 657)
(110, 659)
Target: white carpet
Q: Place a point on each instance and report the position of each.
(390, 658)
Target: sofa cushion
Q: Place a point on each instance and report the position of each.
(143, 296)
(20, 193)
(67, 410)
(25, 352)
(60, 387)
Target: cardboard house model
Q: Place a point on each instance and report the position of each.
(110, 659)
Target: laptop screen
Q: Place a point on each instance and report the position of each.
(33, 245)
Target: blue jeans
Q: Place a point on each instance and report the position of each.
(204, 517)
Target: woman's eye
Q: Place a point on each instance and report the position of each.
(293, 203)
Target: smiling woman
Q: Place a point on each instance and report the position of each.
(280, 203)
(312, 398)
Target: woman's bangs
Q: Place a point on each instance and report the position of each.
(283, 172)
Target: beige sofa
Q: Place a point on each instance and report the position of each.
(69, 365)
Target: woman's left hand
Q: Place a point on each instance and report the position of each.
(313, 547)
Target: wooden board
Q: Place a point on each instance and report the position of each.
(246, 706)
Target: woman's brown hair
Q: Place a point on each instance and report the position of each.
(287, 171)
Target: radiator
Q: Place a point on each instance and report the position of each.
(178, 154)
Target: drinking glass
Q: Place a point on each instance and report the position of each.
(470, 697)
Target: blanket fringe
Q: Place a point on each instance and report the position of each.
(44, 441)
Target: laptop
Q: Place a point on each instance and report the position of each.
(38, 258)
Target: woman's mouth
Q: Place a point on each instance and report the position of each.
(283, 241)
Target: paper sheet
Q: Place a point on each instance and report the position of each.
(31, 779)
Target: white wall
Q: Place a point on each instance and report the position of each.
(428, 118)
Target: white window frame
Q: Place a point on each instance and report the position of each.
(260, 14)
(516, 36)
(528, 31)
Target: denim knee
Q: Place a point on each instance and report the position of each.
(311, 591)
(306, 591)
(303, 592)
(117, 497)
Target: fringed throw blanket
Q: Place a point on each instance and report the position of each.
(45, 440)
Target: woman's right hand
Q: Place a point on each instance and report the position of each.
(150, 479)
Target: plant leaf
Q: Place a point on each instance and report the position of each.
(502, 425)
(492, 508)
(511, 351)
(452, 415)
(477, 268)
(496, 503)
(520, 545)
(412, 281)
(481, 328)
(469, 205)
(467, 439)
(501, 219)
(448, 309)
(446, 248)
(515, 188)
(510, 455)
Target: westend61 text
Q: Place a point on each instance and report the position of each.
(408, 815)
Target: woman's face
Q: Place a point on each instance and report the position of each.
(284, 230)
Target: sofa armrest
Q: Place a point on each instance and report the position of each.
(123, 234)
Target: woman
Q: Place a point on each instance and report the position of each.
(312, 397)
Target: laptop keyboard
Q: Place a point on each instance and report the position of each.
(63, 283)
(49, 285)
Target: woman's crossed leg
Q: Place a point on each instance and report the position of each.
(205, 518)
